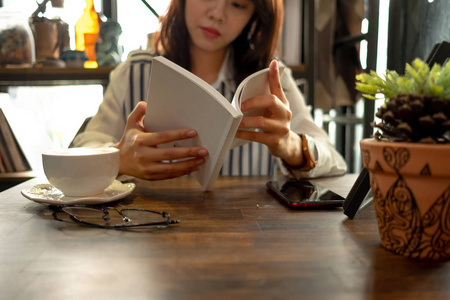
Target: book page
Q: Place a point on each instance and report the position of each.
(254, 85)
(178, 99)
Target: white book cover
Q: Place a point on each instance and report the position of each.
(179, 99)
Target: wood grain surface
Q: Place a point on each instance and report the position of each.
(236, 242)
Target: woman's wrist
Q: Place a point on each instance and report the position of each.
(308, 153)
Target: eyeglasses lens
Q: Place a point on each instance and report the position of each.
(89, 215)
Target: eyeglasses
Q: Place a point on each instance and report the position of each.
(112, 218)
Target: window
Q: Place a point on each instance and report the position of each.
(47, 118)
(137, 22)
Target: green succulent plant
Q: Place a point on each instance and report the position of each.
(417, 104)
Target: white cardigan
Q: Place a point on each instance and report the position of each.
(129, 83)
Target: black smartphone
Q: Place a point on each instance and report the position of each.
(303, 194)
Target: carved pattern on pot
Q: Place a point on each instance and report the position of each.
(403, 229)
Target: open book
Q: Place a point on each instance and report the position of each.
(179, 99)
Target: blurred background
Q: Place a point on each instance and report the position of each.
(325, 42)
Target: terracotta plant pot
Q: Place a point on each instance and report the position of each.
(411, 187)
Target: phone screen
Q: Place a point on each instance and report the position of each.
(304, 194)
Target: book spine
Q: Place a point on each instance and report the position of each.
(2, 164)
(6, 156)
(12, 154)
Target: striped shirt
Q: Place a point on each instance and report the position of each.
(129, 85)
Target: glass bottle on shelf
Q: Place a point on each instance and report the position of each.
(86, 33)
(16, 40)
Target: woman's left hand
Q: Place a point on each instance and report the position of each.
(274, 123)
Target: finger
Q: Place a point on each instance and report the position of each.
(257, 102)
(168, 136)
(275, 83)
(175, 153)
(265, 124)
(272, 106)
(136, 117)
(275, 142)
(149, 156)
(259, 137)
(166, 170)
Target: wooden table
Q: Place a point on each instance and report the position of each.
(237, 242)
(53, 76)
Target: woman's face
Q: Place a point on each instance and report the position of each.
(214, 24)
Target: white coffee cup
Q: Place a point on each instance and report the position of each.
(81, 171)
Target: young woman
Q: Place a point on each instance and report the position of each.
(222, 42)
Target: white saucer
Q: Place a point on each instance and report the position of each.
(48, 194)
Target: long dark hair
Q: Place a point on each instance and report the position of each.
(250, 53)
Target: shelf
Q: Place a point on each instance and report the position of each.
(298, 71)
(17, 175)
(53, 76)
(8, 180)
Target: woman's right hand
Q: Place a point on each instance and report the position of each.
(140, 157)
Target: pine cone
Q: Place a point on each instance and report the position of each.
(414, 118)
